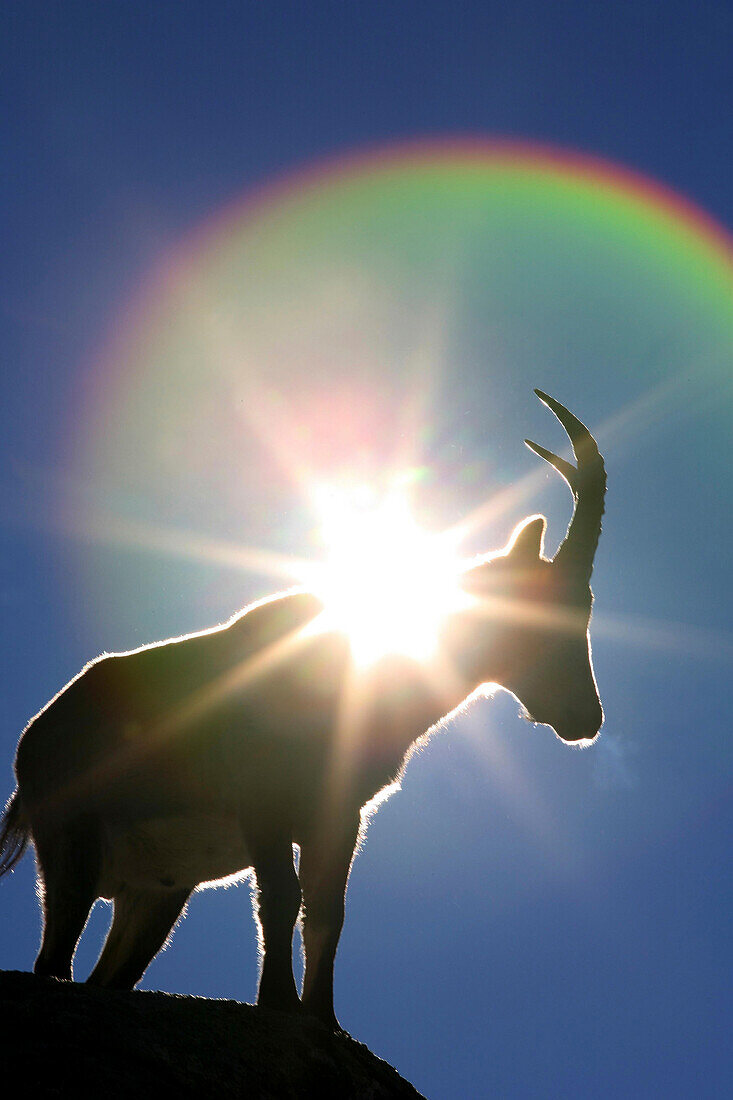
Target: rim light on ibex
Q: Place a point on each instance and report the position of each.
(184, 763)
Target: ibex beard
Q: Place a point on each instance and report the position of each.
(186, 763)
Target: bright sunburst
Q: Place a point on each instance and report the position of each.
(387, 583)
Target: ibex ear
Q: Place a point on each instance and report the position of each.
(528, 539)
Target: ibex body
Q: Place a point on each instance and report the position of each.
(183, 763)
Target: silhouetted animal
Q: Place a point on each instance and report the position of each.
(185, 762)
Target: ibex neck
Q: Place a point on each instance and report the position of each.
(471, 654)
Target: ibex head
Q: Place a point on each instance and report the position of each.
(541, 609)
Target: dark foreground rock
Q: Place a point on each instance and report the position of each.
(70, 1040)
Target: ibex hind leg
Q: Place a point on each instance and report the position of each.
(142, 922)
(68, 869)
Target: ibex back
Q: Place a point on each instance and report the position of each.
(186, 762)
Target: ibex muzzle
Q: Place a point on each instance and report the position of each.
(181, 764)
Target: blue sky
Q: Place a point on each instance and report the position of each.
(525, 920)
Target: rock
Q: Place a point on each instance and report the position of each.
(70, 1040)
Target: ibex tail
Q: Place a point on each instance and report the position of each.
(14, 835)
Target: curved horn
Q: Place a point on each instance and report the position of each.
(587, 483)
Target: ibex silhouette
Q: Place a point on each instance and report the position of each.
(186, 762)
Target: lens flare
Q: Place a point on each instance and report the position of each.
(385, 310)
(385, 582)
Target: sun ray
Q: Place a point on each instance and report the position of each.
(683, 639)
(175, 542)
(194, 707)
(353, 735)
(504, 609)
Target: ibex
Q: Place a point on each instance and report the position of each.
(183, 763)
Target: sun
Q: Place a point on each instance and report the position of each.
(386, 582)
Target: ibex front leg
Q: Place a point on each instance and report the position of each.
(324, 871)
(278, 904)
